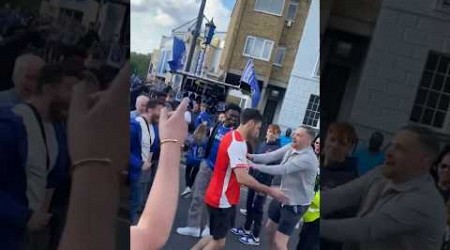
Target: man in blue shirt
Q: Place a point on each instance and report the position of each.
(286, 139)
(197, 207)
(372, 156)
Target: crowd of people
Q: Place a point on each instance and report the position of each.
(222, 152)
(39, 157)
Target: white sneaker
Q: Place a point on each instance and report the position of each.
(189, 231)
(186, 191)
(205, 232)
(243, 211)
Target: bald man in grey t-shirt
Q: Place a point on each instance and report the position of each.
(299, 168)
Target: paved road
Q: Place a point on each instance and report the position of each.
(179, 242)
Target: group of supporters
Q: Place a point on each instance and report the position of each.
(222, 153)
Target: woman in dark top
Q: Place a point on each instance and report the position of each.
(443, 183)
(337, 167)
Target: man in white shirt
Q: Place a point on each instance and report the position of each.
(146, 120)
(25, 76)
(141, 105)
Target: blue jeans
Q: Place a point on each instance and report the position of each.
(135, 201)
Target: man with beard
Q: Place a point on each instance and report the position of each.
(230, 172)
(149, 138)
(399, 206)
(38, 156)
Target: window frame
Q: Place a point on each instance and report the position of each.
(270, 13)
(312, 100)
(275, 57)
(272, 43)
(428, 90)
(297, 4)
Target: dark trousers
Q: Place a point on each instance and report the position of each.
(135, 201)
(190, 174)
(309, 238)
(255, 205)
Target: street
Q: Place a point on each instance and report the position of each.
(179, 242)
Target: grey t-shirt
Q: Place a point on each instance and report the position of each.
(298, 170)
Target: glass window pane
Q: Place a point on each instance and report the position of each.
(432, 100)
(438, 82)
(276, 6)
(249, 46)
(426, 79)
(439, 119)
(258, 47)
(443, 102)
(416, 113)
(267, 50)
(447, 85)
(432, 61)
(292, 12)
(427, 117)
(443, 65)
(262, 5)
(421, 96)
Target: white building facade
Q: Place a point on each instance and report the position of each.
(302, 99)
(406, 75)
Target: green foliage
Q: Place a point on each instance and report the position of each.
(139, 64)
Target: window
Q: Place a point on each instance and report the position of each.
(433, 96)
(279, 56)
(312, 114)
(292, 10)
(274, 7)
(258, 48)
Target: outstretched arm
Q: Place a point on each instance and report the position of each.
(153, 228)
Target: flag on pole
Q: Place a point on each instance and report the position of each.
(178, 50)
(249, 77)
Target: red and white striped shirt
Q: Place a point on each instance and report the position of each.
(224, 189)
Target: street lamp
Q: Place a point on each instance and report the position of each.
(210, 27)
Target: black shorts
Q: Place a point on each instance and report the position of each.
(221, 220)
(285, 216)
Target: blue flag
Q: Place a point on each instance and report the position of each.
(249, 77)
(178, 50)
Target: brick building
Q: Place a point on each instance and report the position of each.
(269, 31)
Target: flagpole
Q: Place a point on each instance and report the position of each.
(195, 36)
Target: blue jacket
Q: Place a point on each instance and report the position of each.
(203, 117)
(135, 159)
(196, 152)
(14, 212)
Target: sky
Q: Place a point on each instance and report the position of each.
(151, 19)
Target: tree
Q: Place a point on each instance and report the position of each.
(139, 64)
